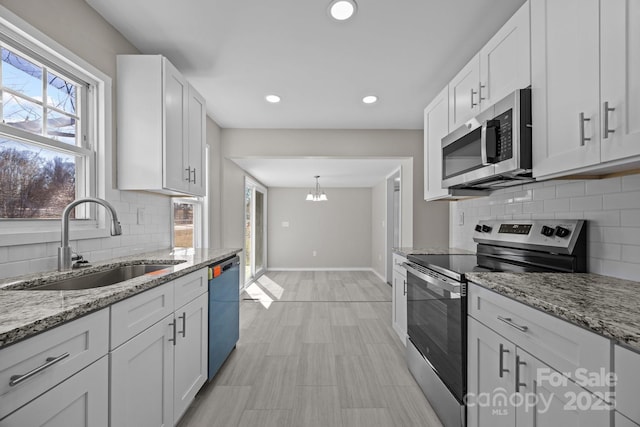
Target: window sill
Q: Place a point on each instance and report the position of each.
(47, 236)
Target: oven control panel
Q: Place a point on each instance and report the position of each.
(551, 234)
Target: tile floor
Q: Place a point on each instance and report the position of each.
(315, 349)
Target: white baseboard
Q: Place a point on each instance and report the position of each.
(322, 269)
(380, 276)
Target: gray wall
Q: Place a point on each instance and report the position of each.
(611, 207)
(339, 230)
(424, 224)
(215, 184)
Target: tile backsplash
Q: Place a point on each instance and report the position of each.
(611, 207)
(153, 234)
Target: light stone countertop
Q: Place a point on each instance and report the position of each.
(605, 305)
(26, 313)
(430, 251)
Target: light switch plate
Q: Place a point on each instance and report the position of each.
(461, 218)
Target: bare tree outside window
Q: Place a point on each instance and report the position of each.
(38, 178)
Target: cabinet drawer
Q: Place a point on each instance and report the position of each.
(80, 401)
(563, 346)
(627, 368)
(85, 340)
(135, 314)
(190, 286)
(397, 264)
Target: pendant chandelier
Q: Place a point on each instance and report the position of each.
(317, 195)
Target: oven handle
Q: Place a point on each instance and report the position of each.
(432, 279)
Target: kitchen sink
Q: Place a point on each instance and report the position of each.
(102, 278)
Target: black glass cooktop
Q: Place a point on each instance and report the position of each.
(454, 266)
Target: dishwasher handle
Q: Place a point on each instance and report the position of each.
(225, 265)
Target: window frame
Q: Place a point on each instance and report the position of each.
(21, 36)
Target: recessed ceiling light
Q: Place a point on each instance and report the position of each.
(341, 10)
(370, 99)
(274, 99)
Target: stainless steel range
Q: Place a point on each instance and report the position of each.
(437, 298)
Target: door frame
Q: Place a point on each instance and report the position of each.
(256, 186)
(389, 215)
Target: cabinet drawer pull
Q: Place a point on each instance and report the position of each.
(405, 287)
(194, 175)
(184, 324)
(480, 87)
(582, 119)
(174, 332)
(188, 179)
(518, 383)
(50, 361)
(473, 104)
(501, 367)
(605, 125)
(509, 322)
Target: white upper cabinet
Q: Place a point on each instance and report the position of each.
(464, 102)
(620, 78)
(436, 127)
(161, 128)
(585, 63)
(502, 66)
(505, 61)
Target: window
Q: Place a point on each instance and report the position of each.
(187, 223)
(46, 153)
(55, 137)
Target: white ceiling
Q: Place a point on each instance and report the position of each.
(334, 172)
(237, 51)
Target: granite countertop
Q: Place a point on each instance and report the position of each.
(430, 251)
(605, 305)
(26, 313)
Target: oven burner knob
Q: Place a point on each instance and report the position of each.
(478, 228)
(562, 232)
(548, 231)
(486, 229)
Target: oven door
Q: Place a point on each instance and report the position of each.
(436, 324)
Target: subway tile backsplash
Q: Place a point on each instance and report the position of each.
(611, 206)
(152, 235)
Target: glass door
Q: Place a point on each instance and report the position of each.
(255, 231)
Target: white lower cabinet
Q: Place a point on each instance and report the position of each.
(520, 361)
(191, 353)
(80, 401)
(399, 298)
(142, 379)
(156, 374)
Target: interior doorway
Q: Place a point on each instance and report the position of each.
(255, 231)
(394, 222)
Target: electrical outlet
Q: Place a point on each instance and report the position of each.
(461, 218)
(141, 216)
(285, 224)
(314, 253)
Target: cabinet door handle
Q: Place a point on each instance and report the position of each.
(480, 87)
(510, 322)
(605, 125)
(582, 119)
(405, 287)
(50, 361)
(173, 334)
(184, 324)
(518, 383)
(188, 174)
(502, 370)
(473, 104)
(194, 175)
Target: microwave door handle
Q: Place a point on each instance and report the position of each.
(483, 145)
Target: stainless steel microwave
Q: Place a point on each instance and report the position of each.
(492, 150)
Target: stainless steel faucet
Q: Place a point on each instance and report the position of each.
(65, 262)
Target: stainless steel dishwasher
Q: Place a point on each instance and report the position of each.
(224, 311)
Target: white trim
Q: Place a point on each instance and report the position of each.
(325, 269)
(379, 276)
(26, 34)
